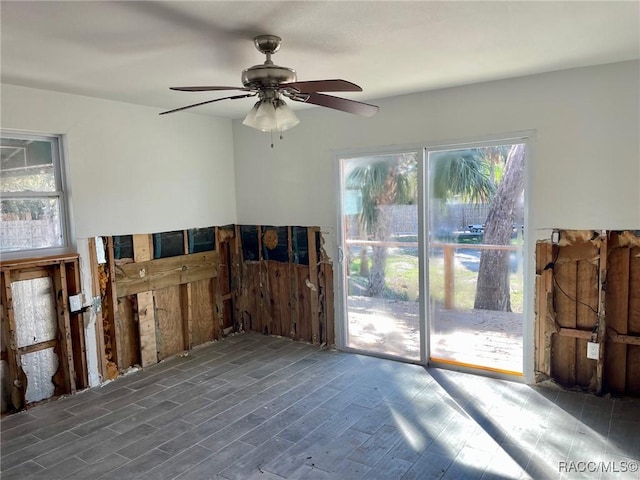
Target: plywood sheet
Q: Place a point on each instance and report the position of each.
(563, 349)
(303, 327)
(617, 309)
(147, 329)
(328, 307)
(279, 285)
(205, 325)
(169, 327)
(633, 351)
(251, 297)
(586, 317)
(634, 291)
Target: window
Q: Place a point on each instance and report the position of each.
(33, 204)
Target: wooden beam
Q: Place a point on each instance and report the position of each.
(143, 276)
(64, 325)
(544, 305)
(327, 269)
(601, 317)
(112, 307)
(17, 376)
(575, 333)
(38, 261)
(77, 327)
(186, 299)
(36, 347)
(293, 287)
(29, 273)
(623, 339)
(218, 287)
(313, 286)
(264, 306)
(147, 329)
(142, 254)
(633, 328)
(617, 308)
(95, 292)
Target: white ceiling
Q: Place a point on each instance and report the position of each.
(133, 51)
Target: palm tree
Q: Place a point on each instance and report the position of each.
(383, 180)
(465, 174)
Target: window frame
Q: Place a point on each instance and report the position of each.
(60, 194)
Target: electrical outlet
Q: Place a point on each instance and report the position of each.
(96, 304)
(593, 350)
(75, 302)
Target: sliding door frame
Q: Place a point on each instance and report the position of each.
(422, 149)
(341, 316)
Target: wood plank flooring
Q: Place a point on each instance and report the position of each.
(258, 407)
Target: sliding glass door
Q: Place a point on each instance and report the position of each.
(432, 245)
(381, 262)
(475, 250)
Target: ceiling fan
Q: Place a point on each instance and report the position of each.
(271, 82)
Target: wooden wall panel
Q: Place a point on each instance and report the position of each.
(617, 302)
(143, 252)
(596, 283)
(68, 344)
(169, 327)
(206, 326)
(633, 351)
(563, 349)
(304, 304)
(77, 329)
(545, 312)
(251, 297)
(279, 285)
(586, 316)
(130, 343)
(328, 305)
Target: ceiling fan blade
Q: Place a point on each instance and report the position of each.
(313, 86)
(207, 89)
(208, 101)
(343, 104)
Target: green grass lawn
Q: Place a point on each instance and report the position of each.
(402, 281)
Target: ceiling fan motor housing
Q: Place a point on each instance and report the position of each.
(264, 75)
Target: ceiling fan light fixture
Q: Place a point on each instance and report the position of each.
(285, 118)
(265, 118)
(271, 115)
(250, 119)
(262, 116)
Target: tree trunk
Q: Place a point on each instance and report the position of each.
(377, 279)
(382, 233)
(364, 262)
(492, 291)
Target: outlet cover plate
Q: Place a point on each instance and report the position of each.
(593, 350)
(75, 302)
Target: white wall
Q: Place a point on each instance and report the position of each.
(585, 167)
(130, 170)
(584, 171)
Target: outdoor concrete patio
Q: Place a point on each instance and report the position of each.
(476, 337)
